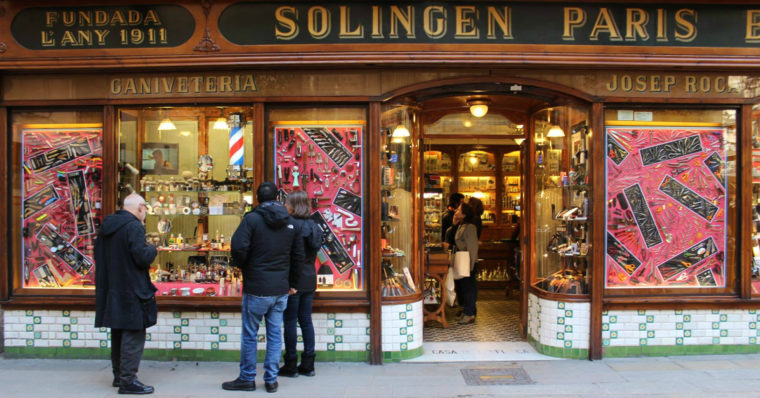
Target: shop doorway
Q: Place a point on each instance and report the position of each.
(488, 142)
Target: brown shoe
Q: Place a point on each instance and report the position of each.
(467, 319)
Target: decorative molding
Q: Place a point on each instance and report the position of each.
(206, 44)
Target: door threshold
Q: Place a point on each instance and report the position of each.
(500, 351)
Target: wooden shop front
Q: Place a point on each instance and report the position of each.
(615, 161)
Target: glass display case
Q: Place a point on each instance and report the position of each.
(437, 182)
(563, 196)
(755, 238)
(196, 189)
(397, 227)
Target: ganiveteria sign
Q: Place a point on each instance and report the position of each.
(182, 84)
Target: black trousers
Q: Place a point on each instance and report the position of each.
(126, 352)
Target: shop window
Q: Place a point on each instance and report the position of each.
(319, 151)
(755, 238)
(670, 180)
(562, 200)
(397, 228)
(194, 167)
(57, 168)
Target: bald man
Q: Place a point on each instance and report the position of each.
(124, 295)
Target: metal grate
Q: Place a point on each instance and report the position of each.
(488, 376)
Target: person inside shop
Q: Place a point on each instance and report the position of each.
(478, 209)
(300, 299)
(160, 165)
(124, 295)
(267, 246)
(448, 215)
(466, 239)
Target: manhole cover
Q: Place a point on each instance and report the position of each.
(484, 376)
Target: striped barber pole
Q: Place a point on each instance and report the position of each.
(236, 145)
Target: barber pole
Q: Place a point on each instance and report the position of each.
(236, 141)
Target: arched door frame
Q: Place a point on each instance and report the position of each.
(596, 121)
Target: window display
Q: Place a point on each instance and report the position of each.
(325, 160)
(396, 208)
(755, 238)
(667, 198)
(197, 183)
(563, 200)
(62, 203)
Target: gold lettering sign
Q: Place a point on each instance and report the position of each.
(168, 85)
(620, 84)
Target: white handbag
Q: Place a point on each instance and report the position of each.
(461, 266)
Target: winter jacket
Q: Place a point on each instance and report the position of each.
(124, 294)
(266, 247)
(312, 240)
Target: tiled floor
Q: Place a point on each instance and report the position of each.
(498, 320)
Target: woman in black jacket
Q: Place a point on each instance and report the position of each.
(300, 300)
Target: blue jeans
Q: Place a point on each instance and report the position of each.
(299, 310)
(255, 308)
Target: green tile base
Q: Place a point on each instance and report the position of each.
(171, 355)
(559, 352)
(398, 356)
(666, 350)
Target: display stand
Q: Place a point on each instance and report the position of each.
(437, 268)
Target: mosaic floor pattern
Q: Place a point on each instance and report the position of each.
(498, 319)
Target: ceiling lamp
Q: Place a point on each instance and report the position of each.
(400, 132)
(478, 106)
(166, 123)
(519, 141)
(555, 132)
(221, 121)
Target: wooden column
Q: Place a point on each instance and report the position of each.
(259, 144)
(110, 160)
(598, 204)
(372, 249)
(743, 219)
(5, 217)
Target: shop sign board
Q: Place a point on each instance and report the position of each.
(98, 27)
(538, 23)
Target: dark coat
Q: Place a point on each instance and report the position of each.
(447, 220)
(312, 240)
(124, 294)
(266, 247)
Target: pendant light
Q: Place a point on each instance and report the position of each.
(401, 132)
(554, 131)
(166, 123)
(478, 106)
(221, 121)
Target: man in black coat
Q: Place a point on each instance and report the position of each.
(447, 220)
(268, 248)
(124, 295)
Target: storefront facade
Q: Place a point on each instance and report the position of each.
(636, 218)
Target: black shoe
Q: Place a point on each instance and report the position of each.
(271, 387)
(115, 381)
(239, 385)
(135, 388)
(290, 369)
(306, 367)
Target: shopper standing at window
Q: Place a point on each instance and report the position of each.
(466, 239)
(124, 295)
(300, 300)
(268, 248)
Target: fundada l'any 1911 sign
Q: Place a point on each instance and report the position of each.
(138, 26)
(495, 22)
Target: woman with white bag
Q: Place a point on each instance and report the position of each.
(466, 241)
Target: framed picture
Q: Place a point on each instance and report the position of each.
(160, 158)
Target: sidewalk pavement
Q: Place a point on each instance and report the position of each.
(692, 376)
